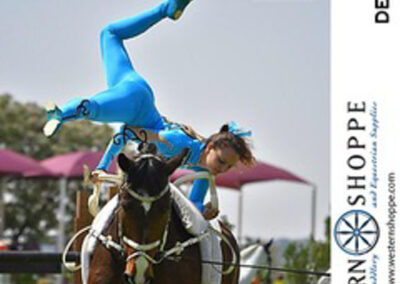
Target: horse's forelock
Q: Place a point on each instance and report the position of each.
(148, 175)
(149, 166)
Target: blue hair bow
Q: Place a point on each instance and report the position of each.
(235, 129)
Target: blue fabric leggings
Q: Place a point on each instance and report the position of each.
(128, 99)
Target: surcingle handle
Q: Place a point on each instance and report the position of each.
(201, 175)
(96, 181)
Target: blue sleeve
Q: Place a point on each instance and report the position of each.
(115, 146)
(176, 142)
(198, 193)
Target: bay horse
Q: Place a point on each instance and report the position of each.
(143, 225)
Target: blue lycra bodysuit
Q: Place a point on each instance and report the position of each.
(130, 100)
(176, 139)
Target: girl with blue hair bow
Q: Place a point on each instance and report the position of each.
(130, 100)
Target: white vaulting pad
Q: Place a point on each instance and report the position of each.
(192, 219)
(365, 110)
(195, 224)
(210, 249)
(89, 243)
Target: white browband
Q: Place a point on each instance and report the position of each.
(147, 199)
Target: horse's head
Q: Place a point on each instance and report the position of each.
(145, 202)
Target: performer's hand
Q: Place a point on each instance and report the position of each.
(210, 213)
(94, 175)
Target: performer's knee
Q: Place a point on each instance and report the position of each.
(87, 109)
(107, 32)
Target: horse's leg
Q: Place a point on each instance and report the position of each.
(104, 267)
(233, 277)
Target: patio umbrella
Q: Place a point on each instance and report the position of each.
(13, 163)
(66, 167)
(70, 165)
(260, 172)
(239, 176)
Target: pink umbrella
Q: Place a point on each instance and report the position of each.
(15, 164)
(241, 175)
(71, 165)
(180, 173)
(12, 163)
(260, 172)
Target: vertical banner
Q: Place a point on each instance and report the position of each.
(365, 124)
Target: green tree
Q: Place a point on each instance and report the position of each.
(21, 130)
(32, 204)
(312, 256)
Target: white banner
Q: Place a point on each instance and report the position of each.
(365, 106)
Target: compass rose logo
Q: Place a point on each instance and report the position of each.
(356, 232)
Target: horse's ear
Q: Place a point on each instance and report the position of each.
(152, 148)
(149, 148)
(224, 128)
(267, 246)
(175, 162)
(141, 146)
(124, 163)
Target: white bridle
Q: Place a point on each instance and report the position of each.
(141, 250)
(147, 199)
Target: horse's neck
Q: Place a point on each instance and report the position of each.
(176, 230)
(112, 228)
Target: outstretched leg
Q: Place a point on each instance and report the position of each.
(120, 102)
(116, 62)
(129, 102)
(127, 90)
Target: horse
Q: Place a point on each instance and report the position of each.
(255, 254)
(142, 240)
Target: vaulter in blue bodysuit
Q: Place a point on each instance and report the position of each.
(130, 100)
